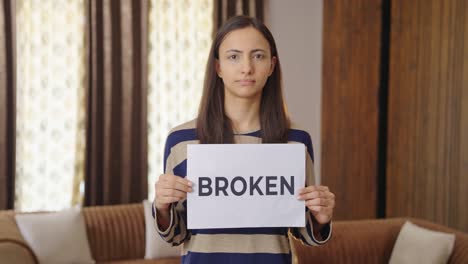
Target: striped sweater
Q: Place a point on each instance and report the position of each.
(234, 245)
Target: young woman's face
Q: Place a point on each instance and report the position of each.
(245, 63)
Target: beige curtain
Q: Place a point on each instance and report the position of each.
(116, 160)
(7, 104)
(179, 40)
(50, 88)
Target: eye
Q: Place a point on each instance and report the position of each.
(233, 57)
(259, 56)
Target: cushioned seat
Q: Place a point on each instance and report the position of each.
(372, 241)
(116, 234)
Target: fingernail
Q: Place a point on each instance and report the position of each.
(190, 183)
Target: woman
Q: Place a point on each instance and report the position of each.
(242, 102)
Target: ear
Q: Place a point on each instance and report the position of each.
(218, 68)
(273, 64)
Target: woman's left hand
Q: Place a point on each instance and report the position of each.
(320, 202)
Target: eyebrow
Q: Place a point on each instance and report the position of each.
(239, 51)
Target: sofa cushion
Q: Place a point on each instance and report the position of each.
(415, 244)
(156, 247)
(58, 237)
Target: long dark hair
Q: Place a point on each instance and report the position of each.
(213, 126)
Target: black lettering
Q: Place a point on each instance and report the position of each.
(284, 183)
(254, 186)
(270, 185)
(205, 186)
(244, 186)
(220, 188)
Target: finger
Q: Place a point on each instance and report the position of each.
(316, 194)
(319, 202)
(174, 178)
(309, 195)
(312, 188)
(182, 187)
(331, 197)
(330, 203)
(164, 177)
(184, 181)
(168, 199)
(171, 193)
(320, 209)
(174, 185)
(326, 195)
(306, 190)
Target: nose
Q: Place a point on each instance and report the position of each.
(247, 66)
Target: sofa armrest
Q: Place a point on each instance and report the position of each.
(14, 253)
(460, 249)
(361, 241)
(13, 247)
(372, 241)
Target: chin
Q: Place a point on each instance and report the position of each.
(246, 93)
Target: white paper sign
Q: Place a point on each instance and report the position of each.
(245, 185)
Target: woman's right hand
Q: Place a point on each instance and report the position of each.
(169, 189)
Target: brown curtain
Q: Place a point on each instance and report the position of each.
(7, 104)
(116, 144)
(224, 9)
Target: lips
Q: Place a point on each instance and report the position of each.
(246, 82)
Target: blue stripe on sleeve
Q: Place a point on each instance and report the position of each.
(175, 138)
(234, 258)
(181, 169)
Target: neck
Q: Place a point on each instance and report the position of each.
(243, 113)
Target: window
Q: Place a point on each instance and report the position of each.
(180, 39)
(50, 103)
(51, 99)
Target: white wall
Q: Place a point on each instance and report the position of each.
(297, 28)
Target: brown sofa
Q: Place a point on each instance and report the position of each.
(371, 241)
(116, 234)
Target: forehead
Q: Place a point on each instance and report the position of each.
(244, 39)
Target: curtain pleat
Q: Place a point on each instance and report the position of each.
(116, 160)
(7, 103)
(225, 9)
